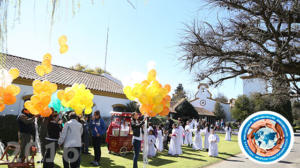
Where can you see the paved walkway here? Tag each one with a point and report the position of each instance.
(240, 161)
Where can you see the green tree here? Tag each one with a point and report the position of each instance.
(132, 106)
(219, 111)
(85, 68)
(221, 98)
(179, 93)
(242, 109)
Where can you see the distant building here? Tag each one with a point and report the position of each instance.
(108, 91)
(204, 104)
(204, 101)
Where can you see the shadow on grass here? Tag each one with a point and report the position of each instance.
(228, 154)
(285, 162)
(192, 158)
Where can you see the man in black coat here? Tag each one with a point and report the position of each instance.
(168, 126)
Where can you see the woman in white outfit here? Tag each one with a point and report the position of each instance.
(159, 139)
(188, 139)
(181, 133)
(173, 146)
(197, 144)
(228, 132)
(213, 144)
(206, 135)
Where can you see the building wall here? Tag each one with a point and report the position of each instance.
(254, 85)
(204, 100)
(103, 103)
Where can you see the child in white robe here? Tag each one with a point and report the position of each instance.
(173, 146)
(197, 144)
(151, 144)
(213, 144)
(206, 135)
(181, 133)
(188, 138)
(159, 139)
(177, 143)
(228, 132)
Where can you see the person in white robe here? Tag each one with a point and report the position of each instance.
(206, 135)
(213, 144)
(151, 144)
(188, 138)
(181, 133)
(173, 146)
(197, 143)
(159, 139)
(150, 127)
(228, 132)
(177, 143)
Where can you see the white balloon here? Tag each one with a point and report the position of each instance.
(5, 78)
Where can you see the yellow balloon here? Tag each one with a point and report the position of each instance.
(158, 108)
(151, 75)
(47, 56)
(64, 49)
(48, 69)
(88, 111)
(40, 70)
(14, 72)
(15, 89)
(62, 40)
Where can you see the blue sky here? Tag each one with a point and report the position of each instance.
(149, 33)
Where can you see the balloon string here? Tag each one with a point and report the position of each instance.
(145, 150)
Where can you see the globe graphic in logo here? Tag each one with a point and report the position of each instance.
(265, 138)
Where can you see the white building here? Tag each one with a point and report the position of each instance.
(204, 102)
(108, 91)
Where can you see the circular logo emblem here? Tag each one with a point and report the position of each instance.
(266, 137)
(202, 102)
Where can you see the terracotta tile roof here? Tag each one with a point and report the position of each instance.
(63, 75)
(204, 112)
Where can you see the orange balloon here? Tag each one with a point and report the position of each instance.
(46, 62)
(167, 87)
(2, 107)
(13, 89)
(168, 98)
(165, 111)
(152, 114)
(60, 94)
(14, 72)
(69, 95)
(9, 98)
(46, 112)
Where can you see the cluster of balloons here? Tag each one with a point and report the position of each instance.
(45, 67)
(8, 91)
(78, 98)
(153, 97)
(38, 104)
(62, 41)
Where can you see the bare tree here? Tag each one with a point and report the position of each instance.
(260, 39)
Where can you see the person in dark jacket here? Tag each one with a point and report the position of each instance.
(26, 131)
(98, 129)
(86, 135)
(53, 130)
(136, 126)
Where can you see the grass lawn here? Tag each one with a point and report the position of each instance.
(189, 159)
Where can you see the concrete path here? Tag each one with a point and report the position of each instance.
(240, 161)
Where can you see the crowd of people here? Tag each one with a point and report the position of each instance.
(172, 136)
(72, 133)
(69, 132)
